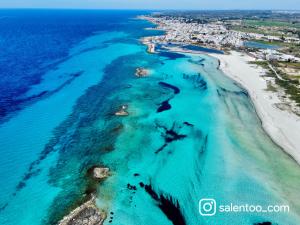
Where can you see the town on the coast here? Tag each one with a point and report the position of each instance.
(272, 38)
(260, 50)
(226, 33)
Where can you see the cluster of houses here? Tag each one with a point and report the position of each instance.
(213, 34)
(271, 54)
(217, 35)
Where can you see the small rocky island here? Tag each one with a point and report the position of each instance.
(88, 213)
(122, 111)
(141, 72)
(100, 172)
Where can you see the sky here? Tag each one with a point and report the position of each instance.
(154, 4)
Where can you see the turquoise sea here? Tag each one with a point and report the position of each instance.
(191, 133)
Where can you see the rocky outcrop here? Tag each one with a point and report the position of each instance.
(122, 111)
(141, 72)
(100, 172)
(86, 214)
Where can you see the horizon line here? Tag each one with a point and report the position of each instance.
(142, 9)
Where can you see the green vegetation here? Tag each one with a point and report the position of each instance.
(270, 23)
(290, 89)
(247, 29)
(292, 50)
(263, 64)
(254, 30)
(270, 87)
(290, 86)
(294, 65)
(278, 43)
(269, 27)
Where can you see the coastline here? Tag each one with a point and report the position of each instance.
(282, 126)
(87, 213)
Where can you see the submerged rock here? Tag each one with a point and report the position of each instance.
(173, 87)
(264, 223)
(164, 106)
(86, 214)
(141, 72)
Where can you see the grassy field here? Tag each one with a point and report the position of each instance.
(295, 65)
(270, 23)
(267, 27)
(278, 43)
(254, 30)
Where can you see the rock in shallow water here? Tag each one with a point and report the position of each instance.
(86, 214)
(141, 72)
(122, 111)
(100, 172)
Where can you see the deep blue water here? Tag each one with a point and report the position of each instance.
(48, 61)
(35, 41)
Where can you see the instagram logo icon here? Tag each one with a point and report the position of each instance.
(207, 207)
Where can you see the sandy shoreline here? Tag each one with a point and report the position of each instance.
(282, 126)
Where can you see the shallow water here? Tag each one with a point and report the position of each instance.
(192, 133)
(254, 44)
(210, 144)
(202, 49)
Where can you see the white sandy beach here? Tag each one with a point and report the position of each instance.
(282, 126)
